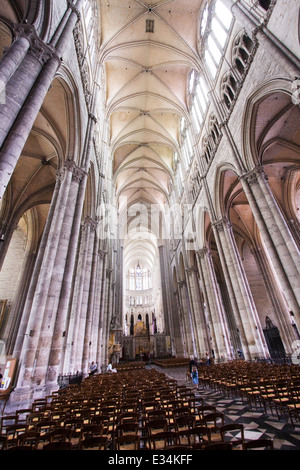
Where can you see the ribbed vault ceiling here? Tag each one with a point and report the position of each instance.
(146, 78)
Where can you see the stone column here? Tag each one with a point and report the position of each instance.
(88, 348)
(118, 298)
(25, 97)
(280, 311)
(179, 333)
(170, 304)
(276, 236)
(14, 56)
(42, 316)
(8, 230)
(198, 320)
(58, 346)
(24, 61)
(187, 320)
(35, 275)
(99, 256)
(87, 299)
(217, 336)
(100, 339)
(107, 313)
(77, 321)
(246, 316)
(167, 306)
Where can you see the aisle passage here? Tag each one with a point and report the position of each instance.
(258, 424)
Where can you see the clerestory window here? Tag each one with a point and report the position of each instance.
(217, 31)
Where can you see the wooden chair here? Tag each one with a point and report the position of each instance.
(155, 414)
(198, 435)
(19, 447)
(30, 439)
(218, 446)
(157, 425)
(128, 417)
(13, 432)
(184, 422)
(282, 399)
(101, 420)
(255, 444)
(58, 446)
(178, 448)
(2, 441)
(91, 430)
(129, 407)
(198, 446)
(150, 406)
(127, 428)
(33, 419)
(161, 440)
(128, 442)
(94, 443)
(75, 425)
(39, 404)
(60, 435)
(6, 421)
(205, 410)
(294, 412)
(214, 422)
(233, 433)
(21, 415)
(44, 427)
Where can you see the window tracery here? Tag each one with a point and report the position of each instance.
(139, 279)
(243, 50)
(211, 140)
(215, 28)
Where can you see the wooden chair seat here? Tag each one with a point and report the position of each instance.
(259, 444)
(161, 440)
(128, 442)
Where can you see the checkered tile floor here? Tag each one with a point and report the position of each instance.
(257, 423)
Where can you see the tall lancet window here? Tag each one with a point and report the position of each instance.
(138, 278)
(132, 279)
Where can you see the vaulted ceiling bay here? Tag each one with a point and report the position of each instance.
(148, 51)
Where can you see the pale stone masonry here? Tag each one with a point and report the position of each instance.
(127, 153)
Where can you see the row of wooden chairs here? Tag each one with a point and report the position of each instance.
(130, 411)
(65, 415)
(274, 388)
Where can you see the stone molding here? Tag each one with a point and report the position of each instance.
(38, 48)
(251, 177)
(77, 172)
(74, 9)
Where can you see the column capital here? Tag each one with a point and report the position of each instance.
(251, 177)
(203, 252)
(220, 224)
(90, 222)
(38, 48)
(69, 165)
(191, 270)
